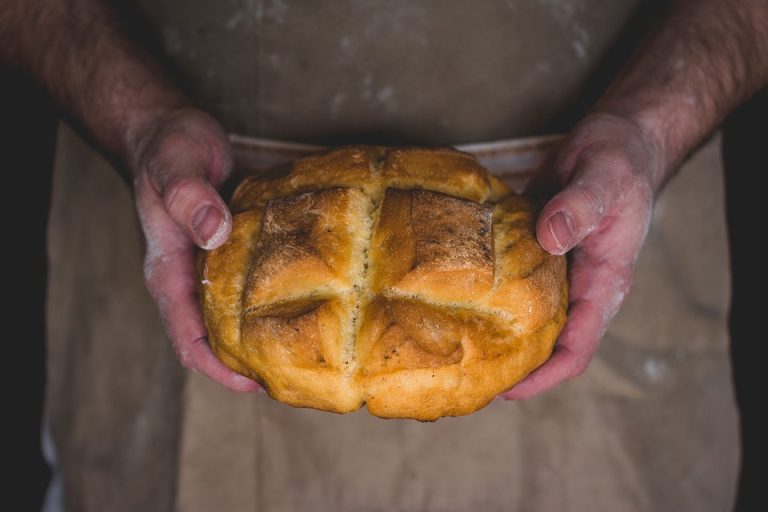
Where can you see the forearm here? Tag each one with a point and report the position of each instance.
(76, 49)
(704, 59)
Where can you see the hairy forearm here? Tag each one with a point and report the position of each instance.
(77, 50)
(703, 60)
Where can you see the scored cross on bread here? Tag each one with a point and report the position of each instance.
(409, 280)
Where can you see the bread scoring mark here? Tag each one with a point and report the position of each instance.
(288, 309)
(475, 307)
(292, 336)
(365, 213)
(401, 351)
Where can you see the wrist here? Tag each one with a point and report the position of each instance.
(679, 85)
(668, 128)
(127, 112)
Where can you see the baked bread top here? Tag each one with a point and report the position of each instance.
(406, 279)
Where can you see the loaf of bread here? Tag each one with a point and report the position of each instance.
(409, 280)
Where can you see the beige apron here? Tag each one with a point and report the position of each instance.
(650, 426)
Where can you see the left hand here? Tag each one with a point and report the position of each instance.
(605, 175)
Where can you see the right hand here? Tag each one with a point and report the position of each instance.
(177, 164)
(605, 175)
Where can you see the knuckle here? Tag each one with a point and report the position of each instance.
(613, 160)
(586, 204)
(185, 359)
(632, 179)
(176, 190)
(644, 192)
(150, 282)
(620, 166)
(625, 283)
(186, 194)
(159, 155)
(186, 351)
(152, 276)
(590, 196)
(579, 367)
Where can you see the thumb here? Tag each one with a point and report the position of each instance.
(576, 211)
(182, 156)
(198, 209)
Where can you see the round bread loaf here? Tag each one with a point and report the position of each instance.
(406, 279)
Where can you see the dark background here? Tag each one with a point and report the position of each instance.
(27, 137)
(27, 129)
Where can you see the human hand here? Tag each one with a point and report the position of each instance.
(606, 172)
(177, 164)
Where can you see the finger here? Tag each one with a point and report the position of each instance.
(185, 324)
(598, 183)
(199, 210)
(572, 354)
(184, 162)
(170, 276)
(597, 292)
(186, 329)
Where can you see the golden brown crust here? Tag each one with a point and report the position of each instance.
(305, 246)
(407, 279)
(430, 242)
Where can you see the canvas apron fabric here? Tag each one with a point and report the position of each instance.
(651, 425)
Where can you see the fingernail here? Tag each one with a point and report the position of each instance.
(561, 228)
(206, 223)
